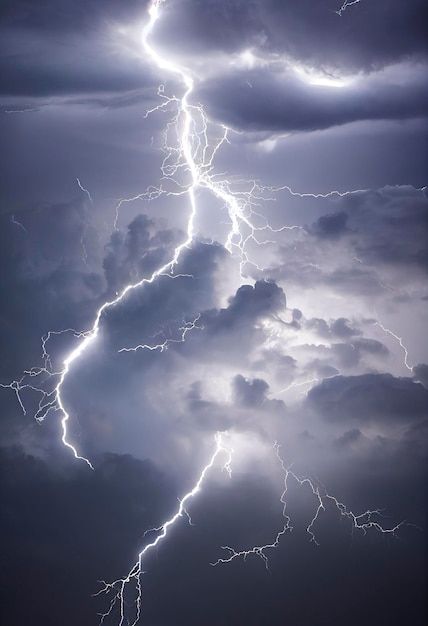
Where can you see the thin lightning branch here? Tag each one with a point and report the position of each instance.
(15, 221)
(345, 5)
(190, 153)
(368, 520)
(329, 194)
(161, 347)
(190, 145)
(310, 381)
(83, 237)
(192, 157)
(82, 188)
(119, 588)
(11, 111)
(296, 384)
(400, 342)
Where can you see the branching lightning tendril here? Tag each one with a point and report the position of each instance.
(364, 521)
(400, 343)
(119, 587)
(345, 5)
(187, 167)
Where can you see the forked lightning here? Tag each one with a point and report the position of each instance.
(191, 143)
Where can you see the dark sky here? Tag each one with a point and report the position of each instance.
(314, 339)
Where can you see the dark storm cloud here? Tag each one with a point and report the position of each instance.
(249, 392)
(46, 68)
(71, 527)
(384, 242)
(92, 57)
(370, 35)
(52, 275)
(349, 354)
(370, 397)
(43, 277)
(53, 16)
(251, 410)
(206, 414)
(260, 100)
(350, 437)
(335, 328)
(246, 306)
(372, 346)
(387, 226)
(69, 48)
(137, 253)
(158, 310)
(331, 225)
(420, 373)
(64, 527)
(252, 394)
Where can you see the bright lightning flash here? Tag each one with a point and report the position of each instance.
(193, 156)
(119, 587)
(345, 5)
(399, 340)
(188, 167)
(364, 521)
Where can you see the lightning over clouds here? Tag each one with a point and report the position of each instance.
(231, 302)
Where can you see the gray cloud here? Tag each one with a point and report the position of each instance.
(246, 306)
(261, 100)
(370, 397)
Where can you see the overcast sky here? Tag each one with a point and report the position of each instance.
(315, 339)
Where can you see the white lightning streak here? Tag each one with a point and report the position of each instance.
(82, 188)
(364, 521)
(400, 342)
(345, 5)
(83, 236)
(54, 400)
(15, 221)
(188, 326)
(193, 156)
(119, 587)
(11, 111)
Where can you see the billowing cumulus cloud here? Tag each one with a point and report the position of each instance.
(283, 101)
(370, 397)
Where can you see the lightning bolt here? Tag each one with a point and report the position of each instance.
(119, 587)
(193, 156)
(187, 167)
(309, 382)
(400, 343)
(363, 522)
(28, 110)
(82, 188)
(85, 225)
(345, 5)
(13, 220)
(161, 347)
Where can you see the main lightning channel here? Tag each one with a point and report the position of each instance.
(119, 586)
(194, 156)
(55, 398)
